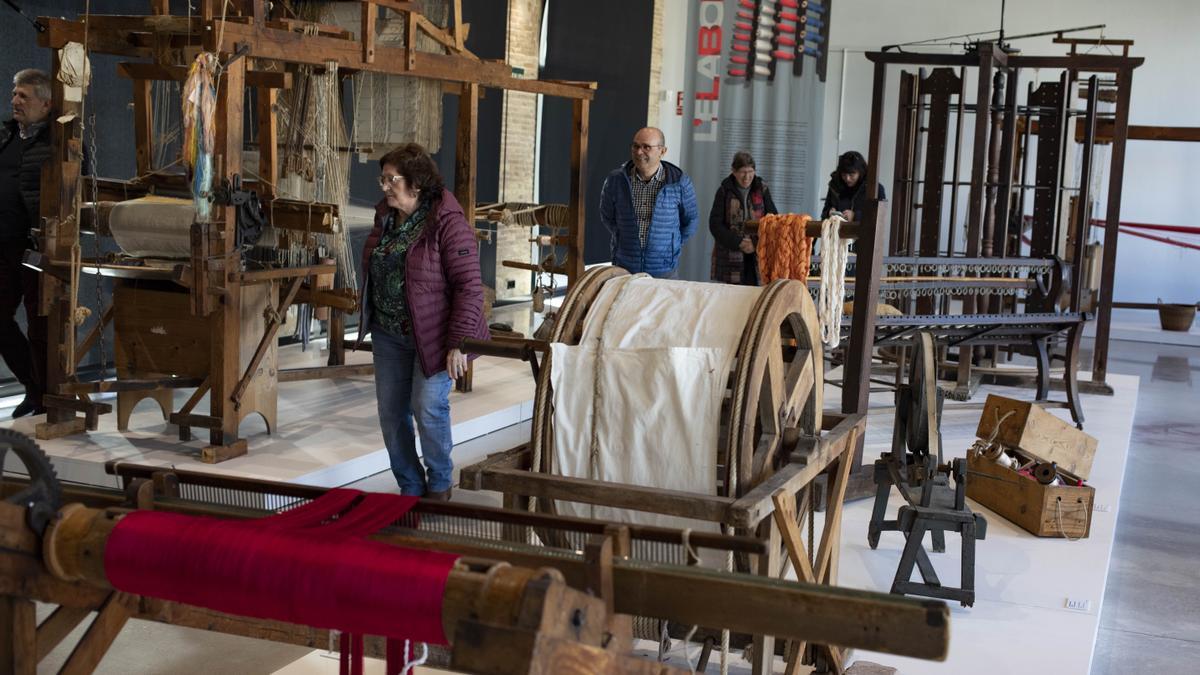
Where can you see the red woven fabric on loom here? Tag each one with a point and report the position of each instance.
(303, 566)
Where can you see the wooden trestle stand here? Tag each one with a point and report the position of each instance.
(207, 323)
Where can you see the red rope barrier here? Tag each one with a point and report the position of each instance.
(1165, 240)
(1181, 229)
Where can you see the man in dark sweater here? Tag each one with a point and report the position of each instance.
(24, 148)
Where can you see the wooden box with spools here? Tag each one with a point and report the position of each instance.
(1049, 498)
(771, 437)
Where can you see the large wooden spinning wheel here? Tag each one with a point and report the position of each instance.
(773, 402)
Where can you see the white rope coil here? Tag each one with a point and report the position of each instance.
(834, 253)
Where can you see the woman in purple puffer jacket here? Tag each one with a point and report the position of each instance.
(421, 296)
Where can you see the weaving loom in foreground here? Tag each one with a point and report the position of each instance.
(557, 608)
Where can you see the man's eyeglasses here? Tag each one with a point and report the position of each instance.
(639, 146)
(390, 181)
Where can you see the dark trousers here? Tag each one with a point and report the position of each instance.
(26, 358)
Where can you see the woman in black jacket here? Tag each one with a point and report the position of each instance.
(742, 196)
(848, 188)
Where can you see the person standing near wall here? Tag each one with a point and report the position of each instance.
(742, 196)
(649, 208)
(24, 148)
(847, 193)
(421, 296)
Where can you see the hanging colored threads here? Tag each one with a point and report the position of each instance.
(784, 250)
(312, 566)
(199, 133)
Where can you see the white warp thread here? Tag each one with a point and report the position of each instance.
(834, 253)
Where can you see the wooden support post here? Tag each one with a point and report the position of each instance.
(267, 340)
(225, 348)
(1078, 235)
(18, 636)
(577, 209)
(763, 660)
(59, 187)
(466, 155)
(410, 42)
(1112, 221)
(56, 627)
(370, 11)
(856, 382)
(458, 26)
(143, 125)
(337, 338)
(100, 635)
(903, 176)
(466, 152)
(268, 170)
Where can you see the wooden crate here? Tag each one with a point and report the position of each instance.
(1038, 434)
(1042, 510)
(1034, 434)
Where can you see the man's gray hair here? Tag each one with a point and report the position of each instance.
(36, 79)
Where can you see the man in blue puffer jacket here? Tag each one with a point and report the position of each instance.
(649, 208)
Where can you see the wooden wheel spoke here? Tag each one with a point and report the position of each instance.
(774, 393)
(799, 382)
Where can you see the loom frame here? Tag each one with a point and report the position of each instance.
(213, 279)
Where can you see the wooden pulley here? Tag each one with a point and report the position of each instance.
(774, 398)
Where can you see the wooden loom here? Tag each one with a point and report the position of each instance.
(210, 324)
(1001, 155)
(628, 569)
(776, 440)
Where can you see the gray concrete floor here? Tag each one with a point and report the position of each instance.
(1150, 619)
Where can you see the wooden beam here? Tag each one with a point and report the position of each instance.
(156, 71)
(225, 344)
(143, 125)
(577, 207)
(56, 627)
(268, 162)
(75, 388)
(18, 636)
(466, 150)
(261, 276)
(1112, 217)
(615, 495)
(370, 12)
(325, 372)
(268, 339)
(315, 50)
(100, 635)
(94, 334)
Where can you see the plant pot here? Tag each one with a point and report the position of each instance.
(1176, 317)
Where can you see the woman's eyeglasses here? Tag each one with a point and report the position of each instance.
(390, 181)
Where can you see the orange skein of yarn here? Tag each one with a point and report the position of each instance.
(784, 250)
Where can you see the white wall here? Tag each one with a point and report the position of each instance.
(674, 47)
(1159, 177)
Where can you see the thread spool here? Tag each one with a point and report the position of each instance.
(1045, 472)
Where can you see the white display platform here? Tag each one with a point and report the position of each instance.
(328, 430)
(1020, 622)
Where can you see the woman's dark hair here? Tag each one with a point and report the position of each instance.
(852, 161)
(742, 159)
(419, 171)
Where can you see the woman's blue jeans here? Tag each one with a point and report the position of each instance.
(404, 394)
